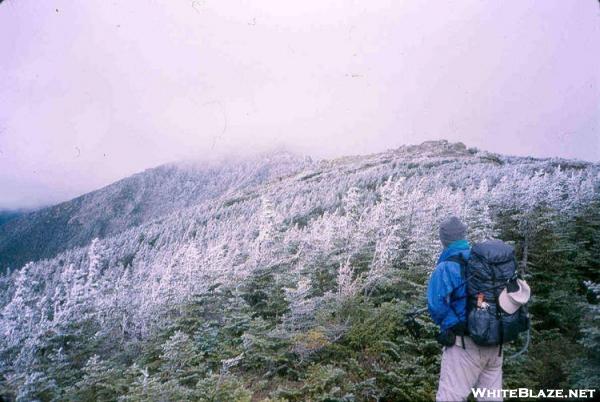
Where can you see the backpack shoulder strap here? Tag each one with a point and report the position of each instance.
(460, 260)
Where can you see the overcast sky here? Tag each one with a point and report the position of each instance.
(92, 91)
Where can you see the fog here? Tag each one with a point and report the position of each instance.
(93, 91)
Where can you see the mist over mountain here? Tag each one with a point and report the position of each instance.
(281, 278)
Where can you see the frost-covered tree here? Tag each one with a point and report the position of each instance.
(478, 213)
(301, 308)
(348, 284)
(353, 204)
(94, 267)
(179, 357)
(267, 233)
(424, 243)
(19, 315)
(100, 382)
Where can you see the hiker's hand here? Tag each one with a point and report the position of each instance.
(446, 338)
(459, 329)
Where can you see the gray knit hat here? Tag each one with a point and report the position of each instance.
(452, 229)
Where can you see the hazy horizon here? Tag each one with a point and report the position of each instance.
(234, 156)
(93, 92)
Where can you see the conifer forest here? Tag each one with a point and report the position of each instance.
(280, 278)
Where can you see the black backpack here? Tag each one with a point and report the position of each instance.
(490, 269)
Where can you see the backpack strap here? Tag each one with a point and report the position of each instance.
(498, 311)
(460, 260)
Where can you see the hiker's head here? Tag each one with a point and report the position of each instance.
(451, 230)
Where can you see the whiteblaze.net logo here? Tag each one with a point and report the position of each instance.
(530, 393)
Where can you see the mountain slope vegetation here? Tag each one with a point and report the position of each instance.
(131, 202)
(294, 287)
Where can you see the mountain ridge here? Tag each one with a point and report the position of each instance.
(160, 191)
(132, 201)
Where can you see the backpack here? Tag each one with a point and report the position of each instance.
(489, 270)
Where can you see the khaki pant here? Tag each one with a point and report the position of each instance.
(472, 367)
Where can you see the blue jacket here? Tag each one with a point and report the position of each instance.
(446, 286)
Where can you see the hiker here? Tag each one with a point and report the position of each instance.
(479, 302)
(465, 365)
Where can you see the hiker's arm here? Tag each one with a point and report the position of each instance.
(440, 287)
